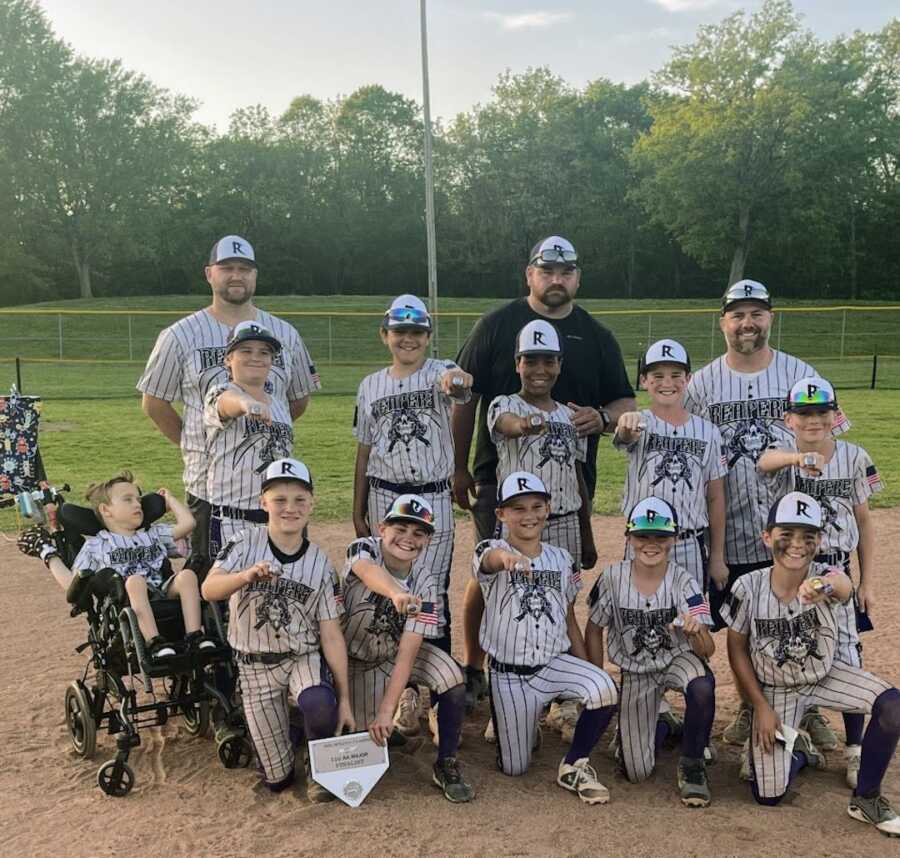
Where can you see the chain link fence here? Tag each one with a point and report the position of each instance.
(75, 354)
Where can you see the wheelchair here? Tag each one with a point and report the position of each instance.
(199, 684)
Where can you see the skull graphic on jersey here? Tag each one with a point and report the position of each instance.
(406, 427)
(533, 603)
(675, 467)
(557, 444)
(750, 440)
(386, 626)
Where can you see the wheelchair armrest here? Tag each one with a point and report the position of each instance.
(87, 585)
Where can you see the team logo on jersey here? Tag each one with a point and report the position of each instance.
(275, 441)
(406, 427)
(826, 492)
(273, 610)
(674, 467)
(649, 630)
(796, 639)
(386, 626)
(557, 444)
(534, 603)
(749, 440)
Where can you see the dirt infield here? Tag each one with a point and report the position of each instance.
(185, 803)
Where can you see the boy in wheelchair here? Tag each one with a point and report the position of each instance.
(137, 554)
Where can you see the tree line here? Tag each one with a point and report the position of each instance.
(757, 150)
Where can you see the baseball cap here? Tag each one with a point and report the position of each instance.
(553, 250)
(666, 351)
(746, 290)
(411, 508)
(812, 392)
(538, 338)
(250, 330)
(232, 247)
(407, 311)
(520, 483)
(652, 515)
(795, 509)
(287, 469)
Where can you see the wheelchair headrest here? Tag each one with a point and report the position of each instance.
(83, 520)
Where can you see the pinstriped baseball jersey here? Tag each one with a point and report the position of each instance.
(239, 450)
(639, 638)
(748, 409)
(524, 620)
(790, 645)
(406, 422)
(550, 455)
(372, 626)
(141, 554)
(283, 613)
(847, 480)
(675, 463)
(188, 359)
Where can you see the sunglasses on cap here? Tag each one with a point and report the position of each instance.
(657, 524)
(555, 256)
(407, 316)
(817, 399)
(411, 511)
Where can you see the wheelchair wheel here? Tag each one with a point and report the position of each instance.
(234, 752)
(115, 778)
(80, 720)
(196, 718)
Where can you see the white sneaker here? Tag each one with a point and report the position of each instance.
(853, 754)
(581, 779)
(406, 718)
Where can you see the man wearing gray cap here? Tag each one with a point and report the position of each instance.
(743, 392)
(188, 360)
(592, 382)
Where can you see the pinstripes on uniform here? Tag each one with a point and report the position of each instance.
(748, 410)
(406, 422)
(517, 703)
(188, 359)
(524, 619)
(281, 615)
(551, 456)
(373, 628)
(524, 624)
(653, 656)
(141, 554)
(849, 478)
(239, 449)
(792, 650)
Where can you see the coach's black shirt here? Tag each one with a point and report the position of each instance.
(593, 372)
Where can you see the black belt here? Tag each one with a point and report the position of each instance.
(409, 488)
(518, 669)
(687, 534)
(554, 516)
(263, 657)
(257, 516)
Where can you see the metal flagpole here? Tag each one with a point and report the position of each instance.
(429, 186)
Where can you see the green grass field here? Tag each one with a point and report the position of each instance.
(92, 424)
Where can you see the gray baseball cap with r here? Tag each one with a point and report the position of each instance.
(232, 247)
(746, 290)
(796, 509)
(282, 470)
(553, 250)
(520, 483)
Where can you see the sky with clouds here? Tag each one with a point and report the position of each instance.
(232, 53)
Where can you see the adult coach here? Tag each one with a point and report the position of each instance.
(592, 381)
(744, 392)
(188, 359)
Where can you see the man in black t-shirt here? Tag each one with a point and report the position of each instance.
(593, 382)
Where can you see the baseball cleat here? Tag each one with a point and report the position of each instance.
(580, 778)
(693, 783)
(803, 744)
(738, 731)
(406, 718)
(710, 754)
(476, 687)
(448, 778)
(815, 723)
(876, 811)
(853, 753)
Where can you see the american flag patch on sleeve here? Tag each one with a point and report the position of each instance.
(873, 478)
(698, 606)
(428, 614)
(576, 574)
(841, 423)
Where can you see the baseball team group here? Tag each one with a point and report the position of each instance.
(742, 510)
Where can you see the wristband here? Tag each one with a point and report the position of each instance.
(605, 418)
